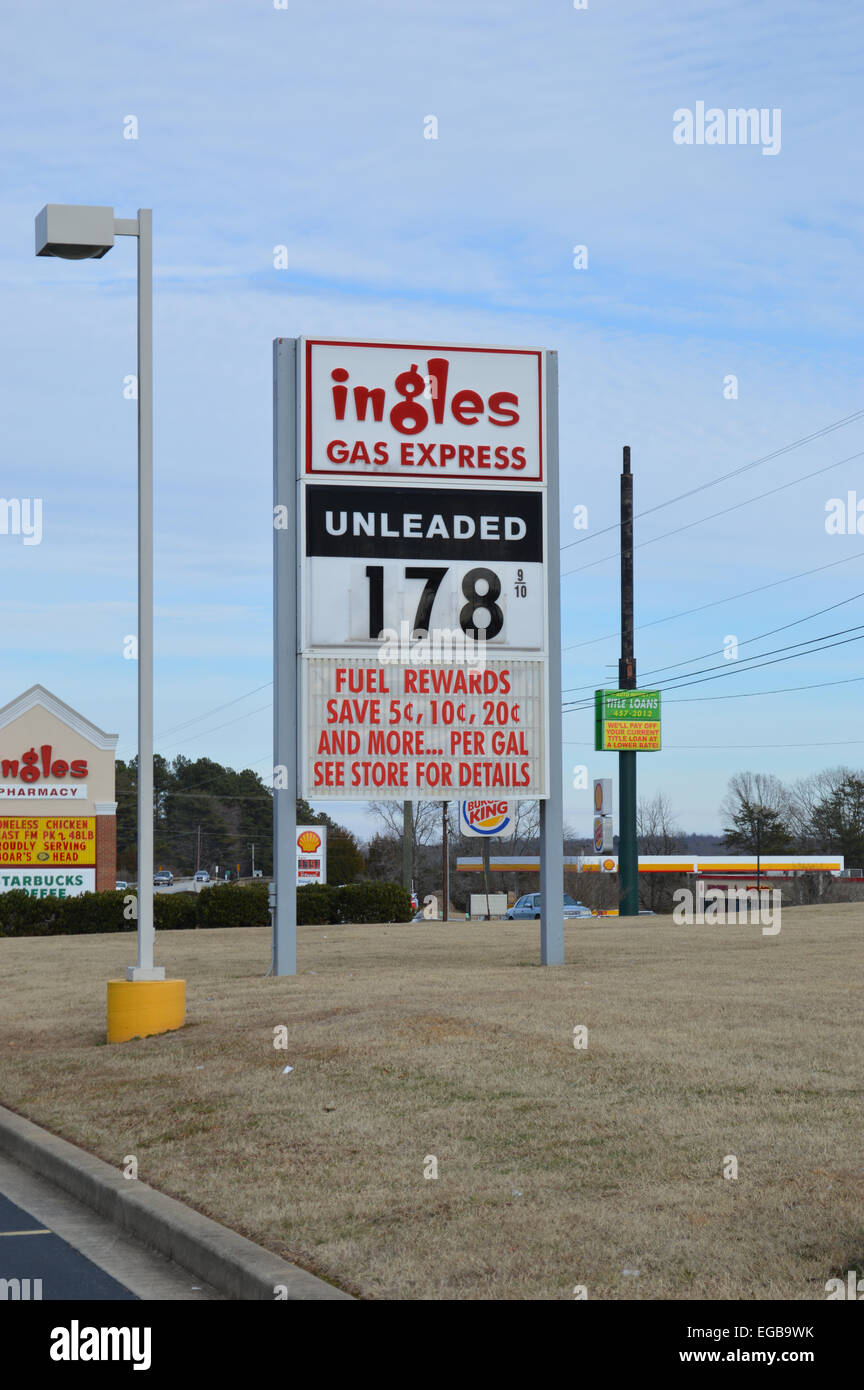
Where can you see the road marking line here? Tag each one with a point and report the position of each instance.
(42, 1231)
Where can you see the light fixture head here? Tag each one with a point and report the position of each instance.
(74, 233)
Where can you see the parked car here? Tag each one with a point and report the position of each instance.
(121, 885)
(201, 876)
(163, 877)
(528, 908)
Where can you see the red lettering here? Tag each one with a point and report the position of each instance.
(362, 397)
(337, 451)
(467, 407)
(498, 402)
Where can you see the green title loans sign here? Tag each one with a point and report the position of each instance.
(627, 721)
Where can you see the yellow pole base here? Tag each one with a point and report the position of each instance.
(140, 1008)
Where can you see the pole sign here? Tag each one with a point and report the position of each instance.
(603, 829)
(311, 854)
(627, 721)
(416, 613)
(422, 546)
(487, 819)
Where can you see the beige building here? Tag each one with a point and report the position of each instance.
(57, 808)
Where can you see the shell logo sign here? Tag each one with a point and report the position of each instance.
(311, 854)
(487, 818)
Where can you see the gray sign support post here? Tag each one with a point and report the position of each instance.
(285, 659)
(552, 809)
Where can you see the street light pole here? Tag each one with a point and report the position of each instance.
(145, 969)
(77, 233)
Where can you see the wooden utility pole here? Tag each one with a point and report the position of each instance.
(407, 845)
(628, 847)
(446, 863)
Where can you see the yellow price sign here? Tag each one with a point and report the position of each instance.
(43, 840)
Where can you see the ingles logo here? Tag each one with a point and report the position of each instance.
(371, 409)
(486, 818)
(32, 766)
(408, 415)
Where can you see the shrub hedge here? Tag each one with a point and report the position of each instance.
(225, 905)
(319, 904)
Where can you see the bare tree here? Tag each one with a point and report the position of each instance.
(655, 825)
(657, 834)
(758, 810)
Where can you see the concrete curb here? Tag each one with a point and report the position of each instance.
(233, 1265)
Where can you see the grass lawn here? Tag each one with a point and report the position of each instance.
(556, 1166)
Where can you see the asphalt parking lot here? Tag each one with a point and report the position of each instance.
(54, 1249)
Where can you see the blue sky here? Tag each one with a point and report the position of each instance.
(303, 127)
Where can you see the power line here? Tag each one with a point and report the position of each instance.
(687, 661)
(729, 598)
(217, 727)
(724, 477)
(731, 672)
(724, 511)
(751, 694)
(737, 667)
(742, 695)
(198, 717)
(758, 638)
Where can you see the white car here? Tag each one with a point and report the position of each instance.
(528, 908)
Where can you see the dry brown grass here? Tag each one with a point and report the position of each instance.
(556, 1167)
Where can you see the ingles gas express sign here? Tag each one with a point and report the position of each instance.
(627, 721)
(431, 413)
(422, 542)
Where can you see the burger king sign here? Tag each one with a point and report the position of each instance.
(487, 819)
(311, 854)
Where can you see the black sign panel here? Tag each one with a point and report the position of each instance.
(410, 524)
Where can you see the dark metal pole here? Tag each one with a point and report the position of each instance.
(628, 850)
(407, 846)
(485, 849)
(759, 850)
(446, 849)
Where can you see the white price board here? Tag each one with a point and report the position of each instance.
(409, 731)
(467, 562)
